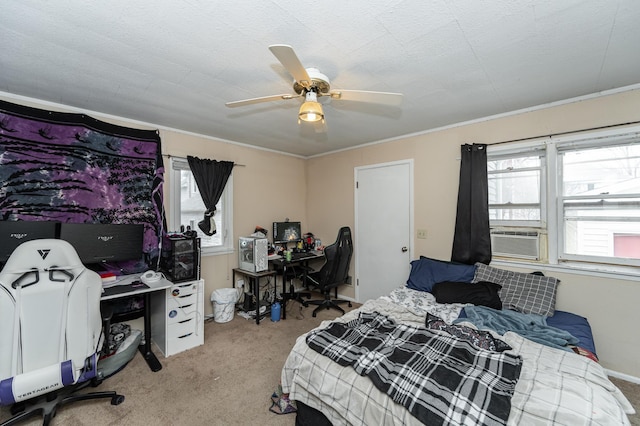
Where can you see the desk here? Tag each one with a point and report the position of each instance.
(256, 284)
(281, 263)
(127, 280)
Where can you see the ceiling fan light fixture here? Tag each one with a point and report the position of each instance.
(311, 110)
(311, 83)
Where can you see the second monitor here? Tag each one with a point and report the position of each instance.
(286, 232)
(101, 243)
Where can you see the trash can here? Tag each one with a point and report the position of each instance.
(223, 301)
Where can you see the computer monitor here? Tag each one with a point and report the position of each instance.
(101, 243)
(15, 232)
(286, 232)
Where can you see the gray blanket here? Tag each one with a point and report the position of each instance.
(531, 326)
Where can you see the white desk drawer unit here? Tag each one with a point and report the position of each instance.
(177, 317)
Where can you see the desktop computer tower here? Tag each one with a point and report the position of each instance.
(180, 258)
(253, 254)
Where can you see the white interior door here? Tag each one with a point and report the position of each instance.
(384, 227)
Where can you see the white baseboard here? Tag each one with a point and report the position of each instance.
(623, 376)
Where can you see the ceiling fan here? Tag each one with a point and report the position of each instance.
(310, 84)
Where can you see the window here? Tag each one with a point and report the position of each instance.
(187, 208)
(600, 201)
(581, 191)
(515, 185)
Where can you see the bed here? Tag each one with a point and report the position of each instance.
(350, 371)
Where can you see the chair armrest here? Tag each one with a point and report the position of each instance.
(37, 382)
(106, 311)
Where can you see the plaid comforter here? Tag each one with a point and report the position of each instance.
(438, 378)
(554, 388)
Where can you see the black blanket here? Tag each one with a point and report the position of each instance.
(438, 378)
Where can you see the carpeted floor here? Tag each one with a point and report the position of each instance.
(227, 381)
(632, 392)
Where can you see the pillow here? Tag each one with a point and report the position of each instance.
(575, 324)
(526, 293)
(481, 339)
(483, 293)
(425, 272)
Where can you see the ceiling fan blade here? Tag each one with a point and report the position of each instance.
(287, 57)
(244, 102)
(386, 98)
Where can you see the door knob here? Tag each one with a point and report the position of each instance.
(404, 249)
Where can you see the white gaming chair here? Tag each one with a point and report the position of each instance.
(51, 331)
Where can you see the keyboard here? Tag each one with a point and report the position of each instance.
(297, 256)
(305, 255)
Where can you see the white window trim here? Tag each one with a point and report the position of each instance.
(537, 224)
(553, 216)
(179, 163)
(579, 268)
(597, 139)
(553, 213)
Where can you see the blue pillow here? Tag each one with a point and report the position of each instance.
(577, 325)
(426, 272)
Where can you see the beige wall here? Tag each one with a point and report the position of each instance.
(267, 187)
(319, 192)
(609, 304)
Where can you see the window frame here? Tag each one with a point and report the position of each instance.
(573, 143)
(524, 151)
(178, 164)
(552, 197)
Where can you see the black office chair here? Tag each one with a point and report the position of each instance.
(334, 272)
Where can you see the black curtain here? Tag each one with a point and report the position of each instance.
(211, 177)
(471, 241)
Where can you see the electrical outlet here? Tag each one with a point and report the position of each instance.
(240, 283)
(422, 234)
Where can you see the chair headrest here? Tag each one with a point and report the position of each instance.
(42, 254)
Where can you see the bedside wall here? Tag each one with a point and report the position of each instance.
(607, 303)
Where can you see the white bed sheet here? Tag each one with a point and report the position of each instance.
(555, 386)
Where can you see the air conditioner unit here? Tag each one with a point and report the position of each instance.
(521, 245)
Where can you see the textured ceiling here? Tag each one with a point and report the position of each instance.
(174, 63)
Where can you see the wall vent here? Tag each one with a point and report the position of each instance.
(521, 245)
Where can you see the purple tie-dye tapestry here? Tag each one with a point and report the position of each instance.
(73, 168)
